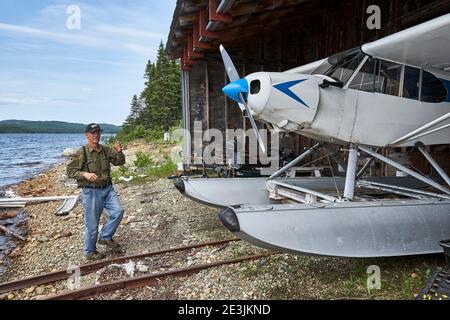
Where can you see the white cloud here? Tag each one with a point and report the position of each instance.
(16, 99)
(54, 36)
(90, 41)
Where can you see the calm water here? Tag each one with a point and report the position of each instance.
(25, 155)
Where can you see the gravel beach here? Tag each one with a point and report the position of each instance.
(157, 216)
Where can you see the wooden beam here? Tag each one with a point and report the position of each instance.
(214, 16)
(191, 53)
(196, 37)
(186, 20)
(202, 26)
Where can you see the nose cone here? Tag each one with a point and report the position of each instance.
(233, 89)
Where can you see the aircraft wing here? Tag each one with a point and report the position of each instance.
(426, 45)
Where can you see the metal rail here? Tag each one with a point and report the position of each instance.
(146, 280)
(92, 267)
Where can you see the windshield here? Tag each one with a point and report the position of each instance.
(341, 65)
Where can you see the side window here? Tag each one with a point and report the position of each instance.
(433, 90)
(388, 79)
(365, 79)
(411, 83)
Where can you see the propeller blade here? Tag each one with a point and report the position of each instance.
(232, 73)
(253, 123)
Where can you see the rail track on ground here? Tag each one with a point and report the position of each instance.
(126, 283)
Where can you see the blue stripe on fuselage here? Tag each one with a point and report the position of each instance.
(285, 88)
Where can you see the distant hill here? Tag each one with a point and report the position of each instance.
(24, 126)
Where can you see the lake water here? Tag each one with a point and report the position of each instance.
(25, 155)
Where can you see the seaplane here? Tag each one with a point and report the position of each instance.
(392, 92)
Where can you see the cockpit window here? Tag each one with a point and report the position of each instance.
(342, 65)
(433, 90)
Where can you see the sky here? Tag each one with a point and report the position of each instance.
(77, 61)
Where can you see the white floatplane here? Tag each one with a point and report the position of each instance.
(393, 92)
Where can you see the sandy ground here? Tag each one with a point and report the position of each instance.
(157, 216)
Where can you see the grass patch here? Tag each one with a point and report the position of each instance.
(143, 160)
(162, 170)
(150, 171)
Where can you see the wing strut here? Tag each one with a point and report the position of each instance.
(416, 133)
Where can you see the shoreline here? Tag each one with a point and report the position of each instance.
(8, 187)
(17, 218)
(158, 217)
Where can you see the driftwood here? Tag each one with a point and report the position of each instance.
(6, 230)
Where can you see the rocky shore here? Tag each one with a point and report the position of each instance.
(157, 216)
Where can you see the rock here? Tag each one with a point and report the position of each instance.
(42, 239)
(16, 253)
(10, 296)
(37, 233)
(67, 234)
(40, 291)
(29, 290)
(8, 214)
(4, 296)
(71, 215)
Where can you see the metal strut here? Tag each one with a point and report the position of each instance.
(430, 159)
(294, 162)
(405, 170)
(350, 177)
(366, 165)
(415, 134)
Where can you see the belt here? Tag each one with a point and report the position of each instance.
(98, 187)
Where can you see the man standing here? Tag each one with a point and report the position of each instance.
(90, 166)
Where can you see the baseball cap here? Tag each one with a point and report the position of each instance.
(93, 127)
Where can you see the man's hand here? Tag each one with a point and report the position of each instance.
(92, 177)
(118, 146)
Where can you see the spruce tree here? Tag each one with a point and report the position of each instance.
(159, 104)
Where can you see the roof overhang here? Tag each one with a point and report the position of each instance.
(199, 26)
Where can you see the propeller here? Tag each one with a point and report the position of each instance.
(236, 89)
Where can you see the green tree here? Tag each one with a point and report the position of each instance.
(159, 104)
(135, 111)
